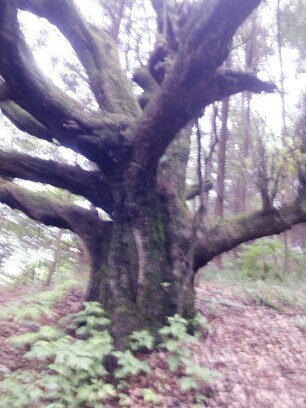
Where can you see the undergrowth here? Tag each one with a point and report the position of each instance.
(258, 277)
(71, 358)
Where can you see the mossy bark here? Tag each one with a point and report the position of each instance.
(136, 281)
(142, 262)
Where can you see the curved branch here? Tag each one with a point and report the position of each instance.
(89, 184)
(194, 190)
(29, 87)
(231, 82)
(52, 212)
(192, 80)
(24, 121)
(245, 227)
(4, 90)
(103, 143)
(96, 50)
(42, 109)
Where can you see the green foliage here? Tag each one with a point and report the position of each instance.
(129, 364)
(200, 321)
(33, 307)
(300, 322)
(272, 291)
(150, 396)
(45, 332)
(175, 336)
(20, 389)
(188, 383)
(263, 259)
(33, 246)
(73, 370)
(294, 15)
(88, 320)
(141, 339)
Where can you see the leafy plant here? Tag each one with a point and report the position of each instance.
(151, 396)
(141, 339)
(33, 307)
(73, 373)
(263, 259)
(76, 373)
(175, 336)
(129, 364)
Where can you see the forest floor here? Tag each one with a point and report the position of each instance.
(259, 349)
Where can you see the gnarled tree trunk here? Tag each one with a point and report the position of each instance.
(143, 261)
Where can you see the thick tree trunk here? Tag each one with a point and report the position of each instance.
(134, 274)
(141, 263)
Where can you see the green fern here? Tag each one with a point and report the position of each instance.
(75, 374)
(129, 364)
(175, 336)
(141, 339)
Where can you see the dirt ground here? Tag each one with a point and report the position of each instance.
(261, 353)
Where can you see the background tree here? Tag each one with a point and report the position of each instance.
(138, 149)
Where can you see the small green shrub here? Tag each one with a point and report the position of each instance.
(76, 373)
(263, 259)
(175, 336)
(141, 339)
(34, 306)
(73, 371)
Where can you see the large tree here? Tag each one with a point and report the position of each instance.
(144, 260)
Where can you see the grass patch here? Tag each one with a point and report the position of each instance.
(289, 292)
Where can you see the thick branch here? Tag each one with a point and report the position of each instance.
(103, 143)
(192, 80)
(24, 121)
(165, 26)
(89, 184)
(42, 109)
(231, 82)
(245, 227)
(29, 87)
(194, 190)
(52, 212)
(95, 49)
(4, 90)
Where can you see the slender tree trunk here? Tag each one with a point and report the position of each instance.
(56, 252)
(286, 234)
(219, 206)
(246, 147)
(208, 159)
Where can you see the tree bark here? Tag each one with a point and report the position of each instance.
(220, 187)
(55, 255)
(143, 261)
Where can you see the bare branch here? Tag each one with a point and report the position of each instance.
(29, 87)
(25, 121)
(193, 78)
(95, 49)
(89, 184)
(51, 212)
(245, 227)
(4, 90)
(101, 140)
(231, 82)
(194, 190)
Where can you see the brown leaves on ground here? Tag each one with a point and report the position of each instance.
(261, 353)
